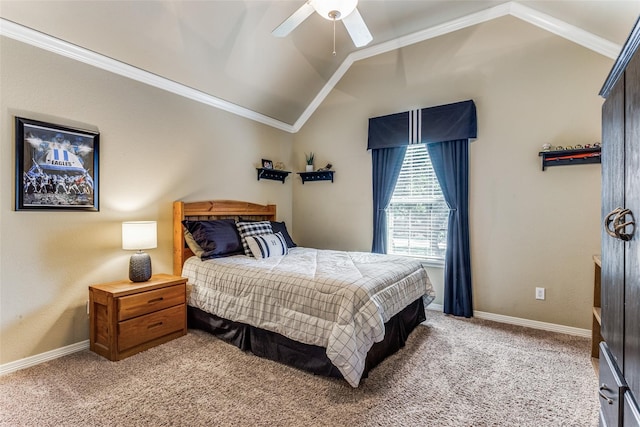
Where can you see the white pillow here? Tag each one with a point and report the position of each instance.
(267, 245)
(253, 228)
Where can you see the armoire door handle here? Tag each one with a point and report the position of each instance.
(620, 225)
(604, 396)
(615, 224)
(609, 219)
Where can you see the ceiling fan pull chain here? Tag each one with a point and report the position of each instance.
(334, 36)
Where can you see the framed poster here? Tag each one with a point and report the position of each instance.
(56, 167)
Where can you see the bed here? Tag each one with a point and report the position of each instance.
(332, 313)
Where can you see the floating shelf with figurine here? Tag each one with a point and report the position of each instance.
(323, 174)
(316, 176)
(274, 174)
(560, 156)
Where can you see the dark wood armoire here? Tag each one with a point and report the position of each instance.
(619, 366)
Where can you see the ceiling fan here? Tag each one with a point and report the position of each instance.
(333, 10)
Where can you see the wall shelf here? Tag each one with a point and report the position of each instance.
(316, 176)
(274, 174)
(580, 156)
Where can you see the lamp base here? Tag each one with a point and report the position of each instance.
(140, 267)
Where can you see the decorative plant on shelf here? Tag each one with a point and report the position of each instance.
(309, 158)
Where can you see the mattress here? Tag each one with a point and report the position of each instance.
(333, 299)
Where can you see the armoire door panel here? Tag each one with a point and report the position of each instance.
(631, 416)
(611, 389)
(632, 201)
(613, 176)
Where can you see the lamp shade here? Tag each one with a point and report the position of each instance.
(137, 235)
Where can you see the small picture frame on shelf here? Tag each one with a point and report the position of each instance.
(267, 164)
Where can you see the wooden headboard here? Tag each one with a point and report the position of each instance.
(209, 210)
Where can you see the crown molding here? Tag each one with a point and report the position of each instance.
(417, 37)
(52, 44)
(629, 48)
(560, 28)
(570, 32)
(531, 16)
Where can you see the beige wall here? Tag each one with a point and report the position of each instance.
(528, 228)
(155, 148)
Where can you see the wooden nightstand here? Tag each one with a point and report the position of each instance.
(128, 317)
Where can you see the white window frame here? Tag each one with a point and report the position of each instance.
(417, 190)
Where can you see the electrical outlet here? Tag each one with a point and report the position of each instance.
(540, 293)
(87, 307)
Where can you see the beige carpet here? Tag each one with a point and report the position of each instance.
(453, 372)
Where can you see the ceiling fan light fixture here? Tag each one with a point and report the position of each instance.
(334, 9)
(331, 10)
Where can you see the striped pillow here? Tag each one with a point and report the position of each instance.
(247, 229)
(268, 245)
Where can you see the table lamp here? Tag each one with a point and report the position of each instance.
(139, 235)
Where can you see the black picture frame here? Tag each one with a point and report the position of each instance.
(56, 167)
(267, 164)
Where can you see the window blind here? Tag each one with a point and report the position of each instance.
(417, 215)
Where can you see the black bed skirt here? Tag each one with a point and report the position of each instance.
(311, 358)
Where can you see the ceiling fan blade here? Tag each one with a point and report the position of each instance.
(357, 29)
(294, 20)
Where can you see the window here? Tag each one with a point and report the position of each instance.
(417, 215)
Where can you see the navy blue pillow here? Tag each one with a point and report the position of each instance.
(217, 238)
(280, 227)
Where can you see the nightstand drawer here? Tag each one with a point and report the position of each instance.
(129, 317)
(151, 326)
(150, 301)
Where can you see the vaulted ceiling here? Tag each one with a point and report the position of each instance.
(222, 53)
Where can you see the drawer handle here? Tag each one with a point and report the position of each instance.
(151, 301)
(608, 399)
(154, 325)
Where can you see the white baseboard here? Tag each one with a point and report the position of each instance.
(54, 354)
(552, 327)
(42, 357)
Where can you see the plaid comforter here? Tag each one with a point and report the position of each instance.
(334, 299)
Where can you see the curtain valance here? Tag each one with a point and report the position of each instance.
(435, 124)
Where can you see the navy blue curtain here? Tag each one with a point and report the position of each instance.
(446, 129)
(450, 161)
(386, 165)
